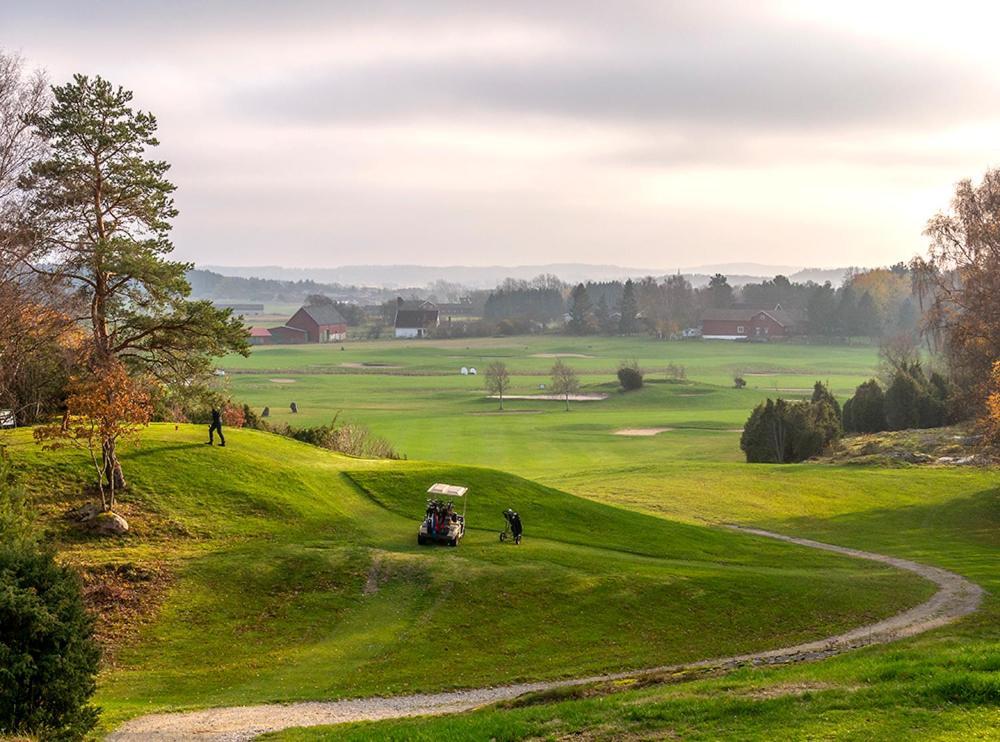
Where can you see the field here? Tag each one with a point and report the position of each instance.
(292, 573)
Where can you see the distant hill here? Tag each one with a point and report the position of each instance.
(485, 277)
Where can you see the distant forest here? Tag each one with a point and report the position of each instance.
(869, 303)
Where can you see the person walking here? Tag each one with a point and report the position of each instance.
(216, 426)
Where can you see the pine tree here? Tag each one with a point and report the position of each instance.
(99, 214)
(581, 311)
(629, 309)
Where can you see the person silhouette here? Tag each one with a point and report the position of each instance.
(216, 426)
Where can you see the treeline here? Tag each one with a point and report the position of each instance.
(870, 304)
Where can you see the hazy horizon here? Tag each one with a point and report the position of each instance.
(312, 134)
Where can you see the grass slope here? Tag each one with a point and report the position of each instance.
(295, 575)
(941, 685)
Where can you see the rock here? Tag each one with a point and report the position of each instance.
(108, 524)
(972, 460)
(93, 517)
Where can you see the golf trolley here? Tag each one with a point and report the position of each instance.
(512, 529)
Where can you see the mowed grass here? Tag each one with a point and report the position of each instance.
(941, 685)
(296, 575)
(413, 394)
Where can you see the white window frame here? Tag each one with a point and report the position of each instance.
(741, 330)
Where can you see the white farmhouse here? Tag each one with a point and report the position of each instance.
(415, 319)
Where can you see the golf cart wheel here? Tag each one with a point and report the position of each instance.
(421, 541)
(503, 537)
(453, 542)
(517, 539)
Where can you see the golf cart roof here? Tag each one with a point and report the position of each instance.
(448, 490)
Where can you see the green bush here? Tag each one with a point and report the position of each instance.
(630, 376)
(901, 400)
(865, 411)
(784, 432)
(48, 657)
(914, 401)
(822, 394)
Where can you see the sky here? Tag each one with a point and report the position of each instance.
(653, 134)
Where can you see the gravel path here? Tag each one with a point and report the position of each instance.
(956, 597)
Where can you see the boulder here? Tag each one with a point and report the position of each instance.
(108, 524)
(93, 517)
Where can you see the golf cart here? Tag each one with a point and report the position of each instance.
(441, 524)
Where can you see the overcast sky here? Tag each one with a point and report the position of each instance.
(653, 134)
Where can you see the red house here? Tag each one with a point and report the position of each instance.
(322, 324)
(743, 324)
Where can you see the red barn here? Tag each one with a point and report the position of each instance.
(288, 335)
(260, 336)
(322, 324)
(742, 324)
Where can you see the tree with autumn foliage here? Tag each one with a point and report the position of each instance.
(992, 418)
(97, 219)
(36, 337)
(959, 282)
(102, 410)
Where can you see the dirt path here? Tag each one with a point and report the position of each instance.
(956, 597)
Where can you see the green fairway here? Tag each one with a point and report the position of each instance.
(416, 397)
(297, 576)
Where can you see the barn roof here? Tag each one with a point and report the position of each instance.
(260, 332)
(324, 314)
(416, 305)
(415, 319)
(286, 328)
(782, 317)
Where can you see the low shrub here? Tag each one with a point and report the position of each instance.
(48, 656)
(349, 438)
(784, 432)
(630, 376)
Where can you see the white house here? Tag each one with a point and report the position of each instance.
(415, 319)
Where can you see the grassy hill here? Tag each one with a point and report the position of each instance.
(942, 685)
(271, 570)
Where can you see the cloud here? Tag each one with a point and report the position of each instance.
(738, 73)
(485, 132)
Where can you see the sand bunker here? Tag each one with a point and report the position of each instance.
(282, 381)
(641, 431)
(560, 355)
(555, 397)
